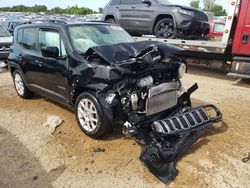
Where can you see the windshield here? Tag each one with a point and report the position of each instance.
(164, 2)
(85, 36)
(4, 32)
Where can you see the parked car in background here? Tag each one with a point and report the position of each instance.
(217, 28)
(157, 17)
(10, 25)
(5, 43)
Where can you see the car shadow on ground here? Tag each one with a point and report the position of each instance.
(243, 83)
(57, 104)
(20, 168)
(203, 70)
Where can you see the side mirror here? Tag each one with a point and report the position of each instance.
(148, 2)
(50, 51)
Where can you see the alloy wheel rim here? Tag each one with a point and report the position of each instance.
(166, 29)
(19, 84)
(87, 115)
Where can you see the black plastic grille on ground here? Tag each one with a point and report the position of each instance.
(186, 121)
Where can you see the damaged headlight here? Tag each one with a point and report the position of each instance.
(182, 70)
(145, 82)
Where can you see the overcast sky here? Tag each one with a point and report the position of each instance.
(93, 4)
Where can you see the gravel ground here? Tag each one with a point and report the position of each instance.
(31, 157)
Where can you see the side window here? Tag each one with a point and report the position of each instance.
(20, 36)
(219, 28)
(52, 38)
(125, 2)
(115, 2)
(29, 38)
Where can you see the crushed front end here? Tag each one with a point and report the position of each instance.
(144, 94)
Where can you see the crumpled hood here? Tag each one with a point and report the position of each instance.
(117, 53)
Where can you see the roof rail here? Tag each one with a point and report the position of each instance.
(45, 21)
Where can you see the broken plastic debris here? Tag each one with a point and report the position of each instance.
(52, 123)
(2, 64)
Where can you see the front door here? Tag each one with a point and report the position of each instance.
(53, 71)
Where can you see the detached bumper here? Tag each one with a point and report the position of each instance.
(173, 136)
(170, 133)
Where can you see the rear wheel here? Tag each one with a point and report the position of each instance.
(165, 29)
(20, 86)
(90, 117)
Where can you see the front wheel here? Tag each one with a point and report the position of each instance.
(90, 117)
(165, 29)
(20, 86)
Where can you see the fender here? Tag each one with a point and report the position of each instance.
(14, 65)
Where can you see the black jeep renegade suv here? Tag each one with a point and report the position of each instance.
(98, 70)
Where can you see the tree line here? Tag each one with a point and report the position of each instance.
(42, 8)
(210, 6)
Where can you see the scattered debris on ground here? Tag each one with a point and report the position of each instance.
(98, 150)
(52, 123)
(3, 64)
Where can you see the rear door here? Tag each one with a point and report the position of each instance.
(127, 14)
(27, 40)
(143, 15)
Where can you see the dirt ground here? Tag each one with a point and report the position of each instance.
(31, 157)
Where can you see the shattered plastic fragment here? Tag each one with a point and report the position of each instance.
(52, 123)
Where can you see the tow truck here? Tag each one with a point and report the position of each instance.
(231, 54)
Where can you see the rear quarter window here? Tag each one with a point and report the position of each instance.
(20, 36)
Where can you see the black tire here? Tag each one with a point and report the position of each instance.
(111, 20)
(165, 28)
(102, 127)
(25, 93)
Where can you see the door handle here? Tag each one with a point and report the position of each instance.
(245, 38)
(117, 7)
(133, 7)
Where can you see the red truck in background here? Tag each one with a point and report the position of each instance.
(241, 43)
(217, 28)
(232, 53)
